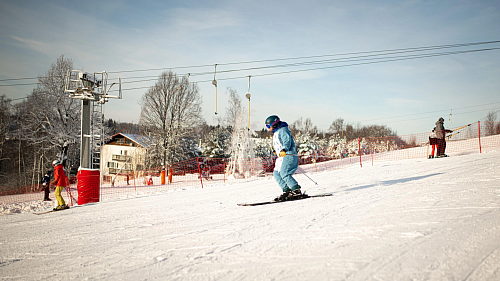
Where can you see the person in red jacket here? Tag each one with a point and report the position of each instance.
(60, 182)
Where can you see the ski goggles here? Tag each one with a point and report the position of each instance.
(273, 124)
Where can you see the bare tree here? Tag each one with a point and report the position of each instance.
(491, 119)
(337, 126)
(305, 127)
(5, 120)
(170, 112)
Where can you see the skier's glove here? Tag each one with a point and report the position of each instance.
(282, 153)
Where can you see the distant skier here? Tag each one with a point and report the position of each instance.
(46, 186)
(440, 135)
(288, 160)
(433, 142)
(60, 181)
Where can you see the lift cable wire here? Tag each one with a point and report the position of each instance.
(370, 59)
(387, 59)
(319, 56)
(375, 53)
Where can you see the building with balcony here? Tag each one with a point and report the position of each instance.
(124, 154)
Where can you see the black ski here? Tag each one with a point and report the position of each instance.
(295, 199)
(50, 211)
(46, 212)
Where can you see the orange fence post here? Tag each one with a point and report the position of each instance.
(315, 160)
(479, 130)
(371, 152)
(359, 151)
(199, 171)
(163, 172)
(170, 174)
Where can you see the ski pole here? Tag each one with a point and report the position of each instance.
(304, 172)
(457, 130)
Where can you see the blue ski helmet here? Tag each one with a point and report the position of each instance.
(272, 121)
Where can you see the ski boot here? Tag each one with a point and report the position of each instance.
(284, 196)
(61, 207)
(297, 194)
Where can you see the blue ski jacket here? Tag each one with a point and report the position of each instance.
(283, 140)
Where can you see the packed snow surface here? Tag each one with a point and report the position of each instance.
(417, 219)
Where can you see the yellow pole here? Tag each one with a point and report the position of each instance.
(248, 113)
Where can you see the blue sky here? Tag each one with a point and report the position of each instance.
(406, 95)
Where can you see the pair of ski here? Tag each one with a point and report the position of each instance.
(303, 196)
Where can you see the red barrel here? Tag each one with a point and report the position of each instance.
(88, 186)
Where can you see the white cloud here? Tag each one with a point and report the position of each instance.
(35, 45)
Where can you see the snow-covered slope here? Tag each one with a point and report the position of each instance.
(413, 219)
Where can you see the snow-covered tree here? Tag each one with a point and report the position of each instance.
(48, 118)
(263, 147)
(241, 144)
(216, 142)
(336, 146)
(187, 149)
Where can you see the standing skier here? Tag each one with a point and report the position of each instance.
(440, 135)
(60, 181)
(287, 161)
(433, 142)
(46, 184)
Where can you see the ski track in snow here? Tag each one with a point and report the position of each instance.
(405, 220)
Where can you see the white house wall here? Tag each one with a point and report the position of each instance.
(107, 152)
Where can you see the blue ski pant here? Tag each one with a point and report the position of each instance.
(284, 176)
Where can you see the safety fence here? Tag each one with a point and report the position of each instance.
(199, 172)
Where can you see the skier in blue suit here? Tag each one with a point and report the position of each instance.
(287, 161)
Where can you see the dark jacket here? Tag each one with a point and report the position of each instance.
(440, 130)
(46, 180)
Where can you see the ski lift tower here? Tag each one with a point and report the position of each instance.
(92, 89)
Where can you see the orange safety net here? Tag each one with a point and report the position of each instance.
(200, 171)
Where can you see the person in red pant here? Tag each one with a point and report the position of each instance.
(441, 132)
(433, 142)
